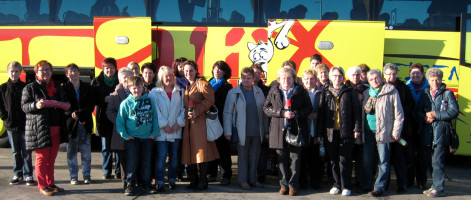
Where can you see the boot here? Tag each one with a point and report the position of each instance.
(203, 185)
(193, 175)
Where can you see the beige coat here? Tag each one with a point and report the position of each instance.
(232, 107)
(389, 114)
(195, 146)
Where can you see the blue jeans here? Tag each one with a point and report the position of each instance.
(384, 152)
(138, 154)
(22, 164)
(82, 143)
(438, 165)
(108, 157)
(162, 149)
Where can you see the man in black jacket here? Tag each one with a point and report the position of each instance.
(14, 121)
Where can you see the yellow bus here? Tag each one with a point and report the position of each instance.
(344, 32)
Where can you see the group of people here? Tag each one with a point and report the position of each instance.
(145, 117)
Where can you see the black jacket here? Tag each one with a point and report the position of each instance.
(265, 89)
(301, 106)
(408, 105)
(13, 117)
(349, 113)
(83, 108)
(37, 134)
(220, 99)
(104, 126)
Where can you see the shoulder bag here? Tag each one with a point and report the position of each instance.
(235, 133)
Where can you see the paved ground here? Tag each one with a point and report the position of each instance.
(458, 185)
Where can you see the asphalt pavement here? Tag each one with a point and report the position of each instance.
(458, 185)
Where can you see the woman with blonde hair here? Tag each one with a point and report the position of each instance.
(171, 114)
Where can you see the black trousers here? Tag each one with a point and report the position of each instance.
(312, 166)
(340, 154)
(224, 161)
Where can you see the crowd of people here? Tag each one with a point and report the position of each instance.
(321, 126)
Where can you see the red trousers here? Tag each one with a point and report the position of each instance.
(45, 159)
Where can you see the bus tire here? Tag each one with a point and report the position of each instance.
(4, 142)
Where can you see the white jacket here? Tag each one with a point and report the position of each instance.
(231, 108)
(169, 112)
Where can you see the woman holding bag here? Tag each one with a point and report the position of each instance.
(244, 105)
(196, 149)
(281, 114)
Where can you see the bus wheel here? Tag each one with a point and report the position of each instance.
(4, 143)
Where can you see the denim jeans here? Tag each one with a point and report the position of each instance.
(108, 157)
(438, 165)
(80, 143)
(162, 149)
(384, 152)
(22, 163)
(138, 154)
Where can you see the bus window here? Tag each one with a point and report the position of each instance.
(423, 14)
(27, 11)
(237, 12)
(291, 9)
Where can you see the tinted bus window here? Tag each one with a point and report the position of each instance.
(291, 9)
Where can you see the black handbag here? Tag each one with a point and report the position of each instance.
(454, 139)
(293, 135)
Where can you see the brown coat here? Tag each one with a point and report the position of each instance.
(195, 146)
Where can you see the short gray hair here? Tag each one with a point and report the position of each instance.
(286, 70)
(390, 66)
(434, 72)
(352, 70)
(374, 71)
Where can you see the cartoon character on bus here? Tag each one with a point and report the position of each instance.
(261, 53)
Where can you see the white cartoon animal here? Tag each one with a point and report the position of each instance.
(261, 53)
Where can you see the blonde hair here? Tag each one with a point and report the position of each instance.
(310, 72)
(125, 71)
(286, 70)
(14, 64)
(164, 70)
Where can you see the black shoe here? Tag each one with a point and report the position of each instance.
(117, 176)
(422, 186)
(225, 181)
(160, 188)
(376, 193)
(401, 190)
(201, 186)
(316, 186)
(261, 179)
(107, 176)
(172, 186)
(211, 179)
(192, 185)
(129, 191)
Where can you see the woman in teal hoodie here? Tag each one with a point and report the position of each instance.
(137, 124)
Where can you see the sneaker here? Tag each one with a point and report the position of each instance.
(30, 181)
(55, 188)
(74, 181)
(129, 190)
(172, 186)
(87, 181)
(427, 191)
(346, 192)
(334, 190)
(153, 190)
(435, 193)
(16, 180)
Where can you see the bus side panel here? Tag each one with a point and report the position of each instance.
(434, 49)
(353, 43)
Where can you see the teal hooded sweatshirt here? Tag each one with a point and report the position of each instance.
(137, 117)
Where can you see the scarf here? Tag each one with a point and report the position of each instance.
(418, 87)
(182, 81)
(216, 84)
(286, 94)
(109, 82)
(373, 92)
(433, 93)
(334, 91)
(51, 89)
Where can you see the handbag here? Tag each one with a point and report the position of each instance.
(213, 126)
(293, 136)
(454, 139)
(235, 133)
